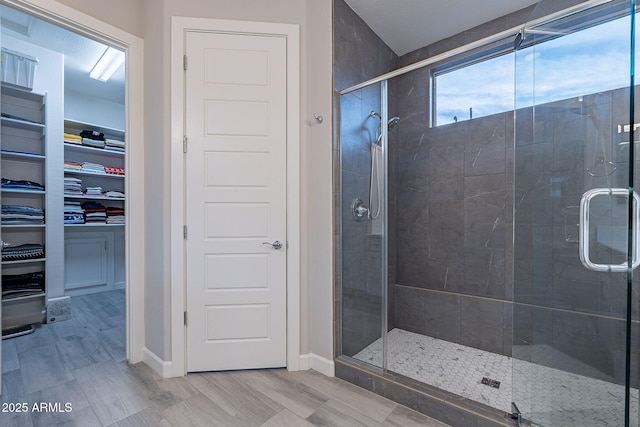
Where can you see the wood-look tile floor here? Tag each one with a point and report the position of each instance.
(81, 362)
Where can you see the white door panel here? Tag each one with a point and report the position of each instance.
(235, 201)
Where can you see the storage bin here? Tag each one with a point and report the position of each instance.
(17, 69)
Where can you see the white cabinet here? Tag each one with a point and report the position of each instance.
(23, 164)
(88, 262)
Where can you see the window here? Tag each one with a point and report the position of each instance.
(590, 60)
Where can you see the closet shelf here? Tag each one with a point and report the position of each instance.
(20, 155)
(92, 150)
(21, 124)
(101, 175)
(23, 226)
(70, 196)
(94, 225)
(25, 297)
(24, 261)
(11, 190)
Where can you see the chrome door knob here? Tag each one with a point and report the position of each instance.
(275, 245)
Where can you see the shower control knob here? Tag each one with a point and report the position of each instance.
(358, 209)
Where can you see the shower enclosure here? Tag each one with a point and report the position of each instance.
(487, 252)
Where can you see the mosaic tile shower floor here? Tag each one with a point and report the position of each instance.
(577, 400)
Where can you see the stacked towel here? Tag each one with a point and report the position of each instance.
(21, 215)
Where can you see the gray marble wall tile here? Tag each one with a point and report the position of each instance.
(410, 309)
(484, 272)
(442, 316)
(484, 151)
(445, 166)
(484, 206)
(482, 324)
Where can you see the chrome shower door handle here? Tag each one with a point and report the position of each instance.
(584, 246)
(275, 245)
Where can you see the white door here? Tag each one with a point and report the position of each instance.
(235, 201)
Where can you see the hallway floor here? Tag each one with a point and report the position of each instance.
(82, 362)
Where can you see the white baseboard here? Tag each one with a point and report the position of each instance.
(317, 363)
(120, 285)
(305, 362)
(162, 368)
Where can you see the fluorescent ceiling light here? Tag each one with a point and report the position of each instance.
(108, 63)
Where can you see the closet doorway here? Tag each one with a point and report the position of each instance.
(66, 143)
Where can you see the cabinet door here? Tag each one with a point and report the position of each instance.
(88, 262)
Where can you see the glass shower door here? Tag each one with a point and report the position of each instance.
(572, 166)
(362, 227)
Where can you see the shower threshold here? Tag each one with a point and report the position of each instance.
(543, 393)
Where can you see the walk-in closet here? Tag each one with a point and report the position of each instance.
(63, 149)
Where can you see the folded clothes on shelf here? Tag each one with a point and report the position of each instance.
(72, 186)
(20, 285)
(93, 167)
(114, 143)
(93, 143)
(111, 170)
(115, 215)
(12, 184)
(92, 134)
(22, 252)
(94, 212)
(21, 215)
(73, 212)
(93, 191)
(70, 138)
(114, 193)
(72, 166)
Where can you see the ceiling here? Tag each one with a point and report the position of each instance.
(80, 53)
(407, 25)
(404, 25)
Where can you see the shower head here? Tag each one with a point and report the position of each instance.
(391, 124)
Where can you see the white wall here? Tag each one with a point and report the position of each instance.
(124, 14)
(49, 80)
(318, 185)
(79, 107)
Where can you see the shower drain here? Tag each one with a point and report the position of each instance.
(490, 382)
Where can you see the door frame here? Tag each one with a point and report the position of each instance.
(81, 23)
(179, 27)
